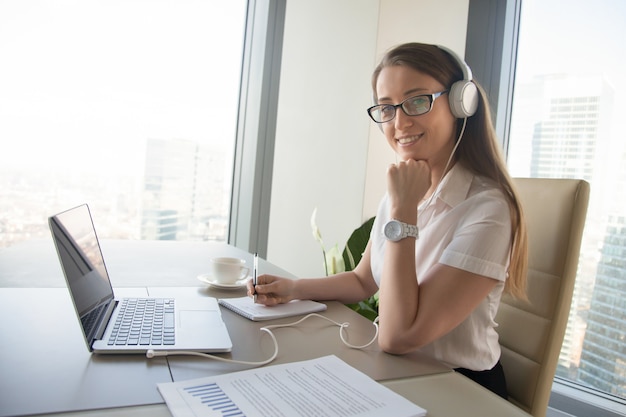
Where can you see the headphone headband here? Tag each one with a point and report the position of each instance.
(467, 72)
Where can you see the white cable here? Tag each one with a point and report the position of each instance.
(456, 145)
(342, 326)
(155, 353)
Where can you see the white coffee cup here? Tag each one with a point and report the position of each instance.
(226, 270)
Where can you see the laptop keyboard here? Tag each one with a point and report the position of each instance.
(144, 322)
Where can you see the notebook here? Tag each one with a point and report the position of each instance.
(191, 324)
(246, 307)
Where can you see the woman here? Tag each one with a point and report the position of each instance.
(439, 292)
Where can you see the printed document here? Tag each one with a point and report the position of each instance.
(325, 386)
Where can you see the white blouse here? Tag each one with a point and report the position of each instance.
(466, 225)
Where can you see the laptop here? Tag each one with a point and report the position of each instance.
(172, 324)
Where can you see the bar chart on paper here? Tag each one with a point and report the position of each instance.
(213, 398)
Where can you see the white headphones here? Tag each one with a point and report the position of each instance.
(463, 95)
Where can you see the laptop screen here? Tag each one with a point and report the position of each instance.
(81, 259)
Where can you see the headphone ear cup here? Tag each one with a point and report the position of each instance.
(463, 98)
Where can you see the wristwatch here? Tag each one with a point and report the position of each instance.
(396, 230)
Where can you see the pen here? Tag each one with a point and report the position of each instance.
(254, 274)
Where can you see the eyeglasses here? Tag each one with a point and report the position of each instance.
(412, 106)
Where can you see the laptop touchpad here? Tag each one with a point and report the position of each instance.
(199, 319)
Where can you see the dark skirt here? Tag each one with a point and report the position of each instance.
(492, 379)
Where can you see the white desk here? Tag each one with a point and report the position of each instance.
(68, 378)
(442, 395)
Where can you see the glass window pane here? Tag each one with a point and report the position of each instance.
(566, 123)
(127, 105)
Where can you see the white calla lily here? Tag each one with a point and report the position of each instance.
(334, 261)
(316, 231)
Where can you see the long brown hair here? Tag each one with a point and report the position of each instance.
(479, 150)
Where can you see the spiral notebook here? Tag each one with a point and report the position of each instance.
(246, 307)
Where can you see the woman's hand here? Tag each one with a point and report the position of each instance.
(271, 290)
(407, 184)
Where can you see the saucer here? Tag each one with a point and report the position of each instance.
(208, 279)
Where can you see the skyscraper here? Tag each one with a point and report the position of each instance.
(183, 195)
(603, 361)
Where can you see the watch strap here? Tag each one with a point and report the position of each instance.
(410, 230)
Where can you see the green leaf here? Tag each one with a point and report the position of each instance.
(356, 244)
(366, 308)
(352, 254)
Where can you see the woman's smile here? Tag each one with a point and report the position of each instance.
(408, 140)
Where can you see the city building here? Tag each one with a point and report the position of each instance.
(183, 194)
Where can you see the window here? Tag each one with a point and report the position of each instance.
(566, 122)
(128, 105)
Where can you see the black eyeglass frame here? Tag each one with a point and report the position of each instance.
(431, 98)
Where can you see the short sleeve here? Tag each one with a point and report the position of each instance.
(481, 241)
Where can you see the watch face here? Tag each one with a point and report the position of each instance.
(393, 230)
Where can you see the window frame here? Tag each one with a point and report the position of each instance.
(256, 126)
(491, 51)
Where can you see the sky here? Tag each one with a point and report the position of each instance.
(573, 36)
(100, 77)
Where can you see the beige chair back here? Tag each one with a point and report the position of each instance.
(531, 333)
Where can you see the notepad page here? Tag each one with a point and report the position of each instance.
(246, 307)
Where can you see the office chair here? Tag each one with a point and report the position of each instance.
(531, 332)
